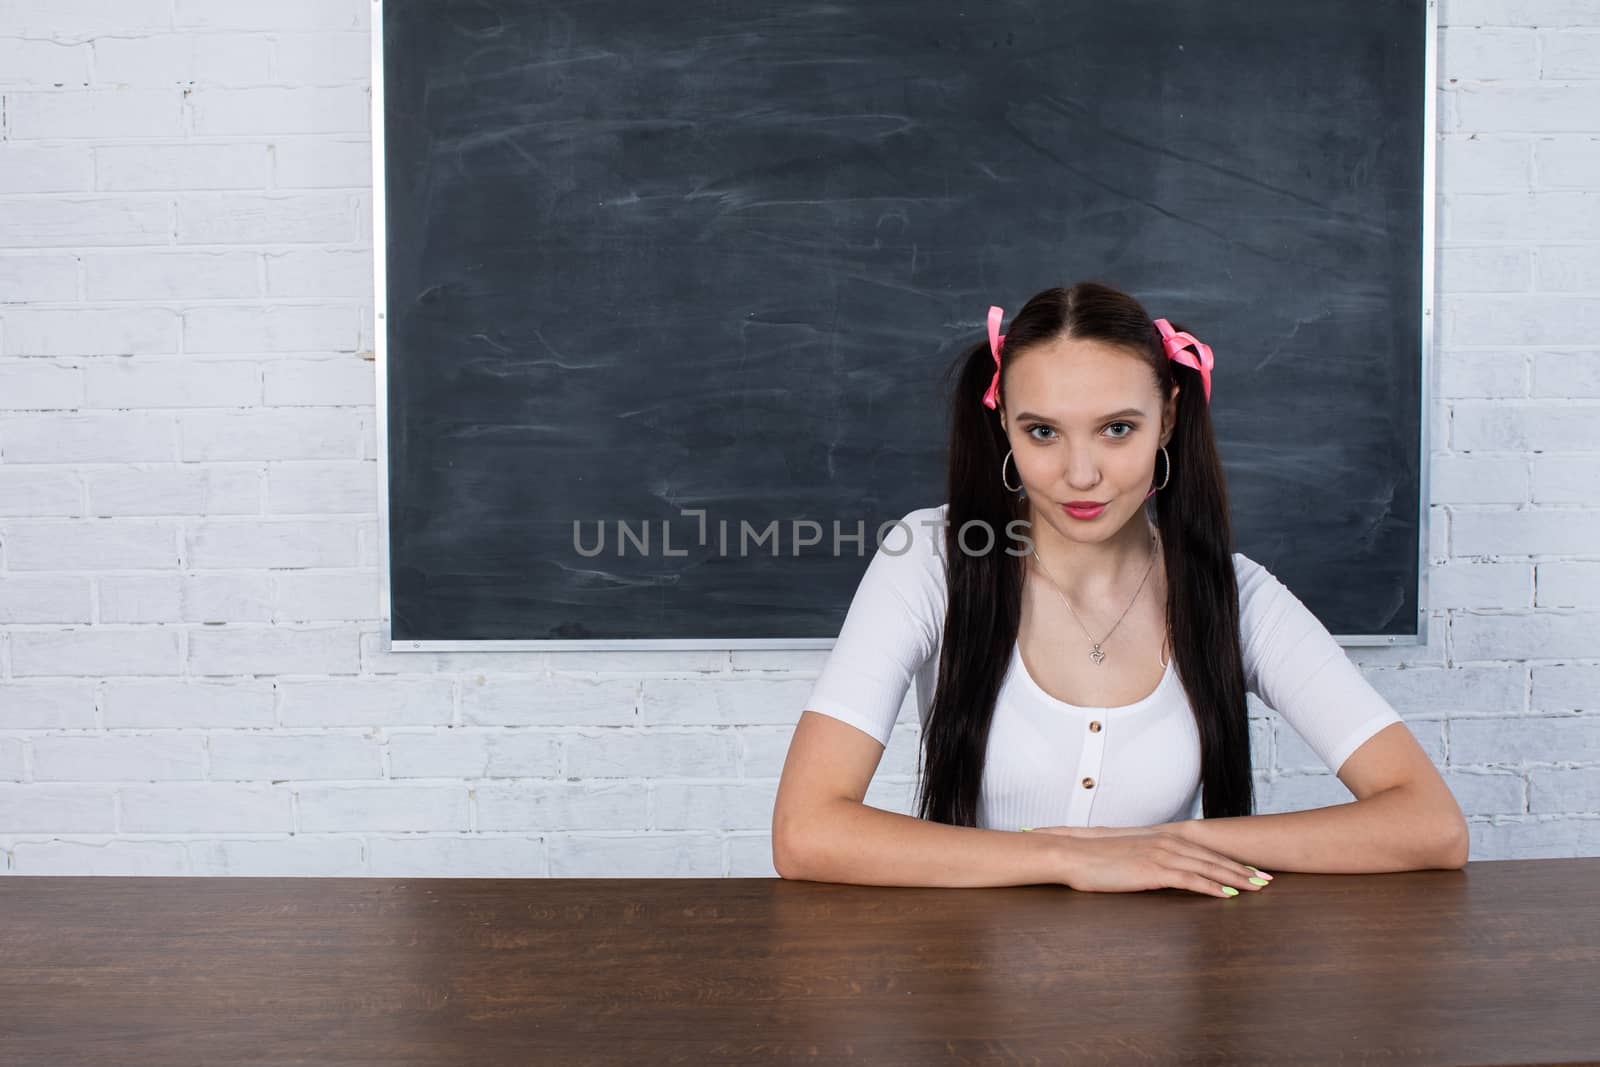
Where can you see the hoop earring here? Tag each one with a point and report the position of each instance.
(1008, 485)
(1167, 477)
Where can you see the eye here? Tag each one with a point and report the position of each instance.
(1120, 436)
(1037, 426)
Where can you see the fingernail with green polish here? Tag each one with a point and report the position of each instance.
(1229, 891)
(1258, 881)
(1024, 828)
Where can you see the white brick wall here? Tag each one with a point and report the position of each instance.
(191, 677)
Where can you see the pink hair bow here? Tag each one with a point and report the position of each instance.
(1178, 342)
(996, 339)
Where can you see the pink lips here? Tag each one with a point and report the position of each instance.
(1083, 512)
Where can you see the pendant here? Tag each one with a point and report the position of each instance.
(1097, 655)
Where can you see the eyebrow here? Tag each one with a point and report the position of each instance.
(1114, 415)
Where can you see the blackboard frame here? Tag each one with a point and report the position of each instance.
(1430, 29)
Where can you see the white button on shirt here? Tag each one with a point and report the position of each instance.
(1051, 763)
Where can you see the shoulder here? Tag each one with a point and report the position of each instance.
(908, 562)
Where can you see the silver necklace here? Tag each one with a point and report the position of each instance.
(1096, 653)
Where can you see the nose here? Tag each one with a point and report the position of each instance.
(1082, 472)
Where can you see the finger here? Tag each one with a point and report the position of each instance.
(1206, 855)
(1220, 873)
(1183, 878)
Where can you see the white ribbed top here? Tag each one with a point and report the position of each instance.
(1142, 760)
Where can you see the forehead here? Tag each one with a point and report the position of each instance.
(1074, 377)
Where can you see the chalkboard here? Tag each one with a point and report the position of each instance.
(695, 267)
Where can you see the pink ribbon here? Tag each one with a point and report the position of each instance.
(1177, 343)
(996, 339)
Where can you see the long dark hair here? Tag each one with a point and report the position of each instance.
(985, 588)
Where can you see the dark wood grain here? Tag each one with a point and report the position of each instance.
(1498, 963)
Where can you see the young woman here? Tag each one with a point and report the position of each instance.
(1082, 637)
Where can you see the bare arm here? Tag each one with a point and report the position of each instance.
(1405, 819)
(846, 841)
(823, 832)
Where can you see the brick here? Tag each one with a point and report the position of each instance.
(37, 492)
(1556, 215)
(118, 757)
(388, 807)
(80, 221)
(1515, 742)
(202, 598)
(283, 15)
(1472, 373)
(276, 857)
(1485, 269)
(272, 650)
(44, 278)
(1569, 268)
(324, 596)
(172, 275)
(1539, 635)
(467, 856)
(1531, 837)
(47, 705)
(185, 167)
(1480, 164)
(1566, 162)
(322, 163)
(144, 859)
(1565, 479)
(320, 272)
(1478, 478)
(549, 702)
(322, 58)
(275, 110)
(1465, 584)
(266, 218)
(143, 651)
(591, 805)
(1566, 687)
(174, 489)
(299, 488)
(1564, 790)
(250, 755)
(269, 434)
(1530, 531)
(1472, 55)
(31, 808)
(57, 599)
(185, 703)
(1537, 425)
(40, 169)
(1569, 585)
(474, 753)
(95, 113)
(224, 329)
(367, 702)
(1566, 374)
(649, 754)
(182, 59)
(34, 385)
(202, 808)
(90, 331)
(341, 380)
(43, 64)
(171, 383)
(654, 855)
(1569, 54)
(91, 545)
(267, 543)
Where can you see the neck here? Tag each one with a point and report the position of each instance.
(1090, 567)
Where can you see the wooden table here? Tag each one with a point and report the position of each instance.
(1498, 963)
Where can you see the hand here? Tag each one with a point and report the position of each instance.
(1121, 859)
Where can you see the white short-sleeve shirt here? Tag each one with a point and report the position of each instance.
(1142, 759)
